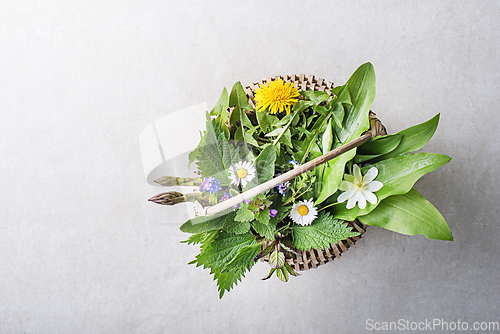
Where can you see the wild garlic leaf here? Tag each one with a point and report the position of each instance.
(324, 230)
(398, 175)
(409, 214)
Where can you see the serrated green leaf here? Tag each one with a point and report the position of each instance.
(264, 230)
(324, 230)
(236, 227)
(223, 249)
(398, 175)
(244, 259)
(409, 214)
(203, 238)
(263, 216)
(244, 215)
(277, 259)
(226, 280)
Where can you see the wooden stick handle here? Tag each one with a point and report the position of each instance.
(288, 175)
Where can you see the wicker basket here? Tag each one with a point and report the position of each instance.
(305, 260)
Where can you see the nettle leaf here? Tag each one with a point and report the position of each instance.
(203, 238)
(398, 175)
(361, 88)
(236, 227)
(413, 138)
(230, 154)
(210, 153)
(324, 230)
(409, 214)
(226, 280)
(222, 251)
(245, 258)
(264, 164)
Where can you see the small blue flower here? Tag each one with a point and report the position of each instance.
(210, 184)
(294, 163)
(225, 197)
(283, 187)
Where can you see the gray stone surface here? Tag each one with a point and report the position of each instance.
(82, 251)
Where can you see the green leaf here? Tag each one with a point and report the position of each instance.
(238, 97)
(221, 105)
(414, 138)
(324, 230)
(277, 259)
(223, 249)
(263, 120)
(245, 258)
(316, 96)
(264, 164)
(207, 223)
(327, 139)
(409, 214)
(398, 175)
(379, 146)
(244, 215)
(226, 280)
(203, 238)
(263, 216)
(230, 154)
(265, 230)
(361, 88)
(282, 274)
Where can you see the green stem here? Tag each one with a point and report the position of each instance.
(329, 205)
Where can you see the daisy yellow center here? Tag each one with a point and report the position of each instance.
(242, 173)
(303, 210)
(276, 96)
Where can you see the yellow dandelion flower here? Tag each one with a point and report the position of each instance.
(276, 96)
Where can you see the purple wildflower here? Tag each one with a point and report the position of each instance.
(273, 213)
(283, 187)
(210, 184)
(225, 197)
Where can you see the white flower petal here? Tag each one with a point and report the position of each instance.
(345, 196)
(345, 186)
(370, 197)
(370, 175)
(351, 203)
(243, 182)
(374, 186)
(361, 201)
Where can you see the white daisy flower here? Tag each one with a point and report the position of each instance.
(241, 173)
(303, 212)
(360, 188)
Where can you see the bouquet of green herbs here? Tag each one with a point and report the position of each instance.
(244, 146)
